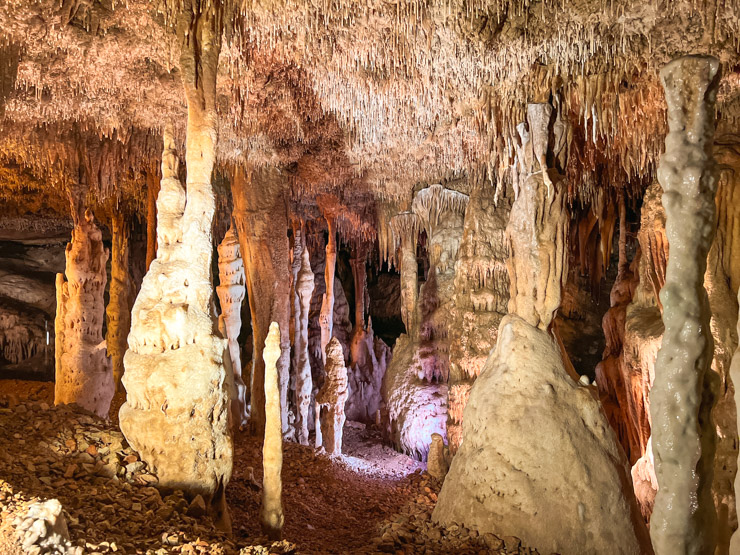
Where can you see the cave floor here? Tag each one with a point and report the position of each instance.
(369, 500)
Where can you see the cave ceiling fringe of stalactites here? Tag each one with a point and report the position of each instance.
(364, 99)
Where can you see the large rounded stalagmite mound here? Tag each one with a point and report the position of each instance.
(538, 459)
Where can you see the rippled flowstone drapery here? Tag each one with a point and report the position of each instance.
(176, 413)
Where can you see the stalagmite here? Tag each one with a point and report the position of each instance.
(118, 310)
(176, 414)
(303, 380)
(327, 304)
(682, 397)
(261, 219)
(330, 400)
(505, 481)
(231, 292)
(83, 370)
(271, 510)
(405, 227)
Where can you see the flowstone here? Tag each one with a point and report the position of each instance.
(570, 494)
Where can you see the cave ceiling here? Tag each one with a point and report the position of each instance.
(358, 101)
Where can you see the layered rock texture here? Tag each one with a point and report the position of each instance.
(83, 370)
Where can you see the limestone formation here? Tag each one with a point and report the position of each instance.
(415, 387)
(231, 291)
(516, 483)
(261, 219)
(83, 369)
(330, 401)
(683, 440)
(481, 296)
(303, 379)
(118, 311)
(405, 227)
(436, 460)
(326, 318)
(271, 510)
(177, 406)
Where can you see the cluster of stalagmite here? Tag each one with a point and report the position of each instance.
(683, 392)
(508, 474)
(415, 386)
(231, 291)
(176, 414)
(83, 370)
(330, 400)
(271, 511)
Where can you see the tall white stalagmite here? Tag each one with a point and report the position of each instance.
(330, 400)
(271, 512)
(83, 370)
(681, 400)
(303, 380)
(176, 413)
(231, 292)
(326, 317)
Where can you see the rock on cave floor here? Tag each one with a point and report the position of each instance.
(370, 500)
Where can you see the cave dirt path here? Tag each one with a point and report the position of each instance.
(332, 505)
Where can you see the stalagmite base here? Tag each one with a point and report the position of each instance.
(330, 400)
(271, 511)
(303, 379)
(682, 397)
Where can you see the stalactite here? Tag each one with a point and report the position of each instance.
(271, 510)
(327, 304)
(261, 219)
(231, 291)
(183, 433)
(119, 306)
(83, 370)
(303, 379)
(683, 436)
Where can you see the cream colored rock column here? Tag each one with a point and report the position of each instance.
(303, 379)
(405, 227)
(176, 414)
(681, 400)
(83, 370)
(271, 511)
(231, 291)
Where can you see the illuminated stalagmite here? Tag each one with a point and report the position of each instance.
(303, 379)
(684, 518)
(118, 310)
(481, 298)
(83, 369)
(231, 291)
(176, 413)
(516, 472)
(415, 384)
(330, 400)
(261, 219)
(271, 510)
